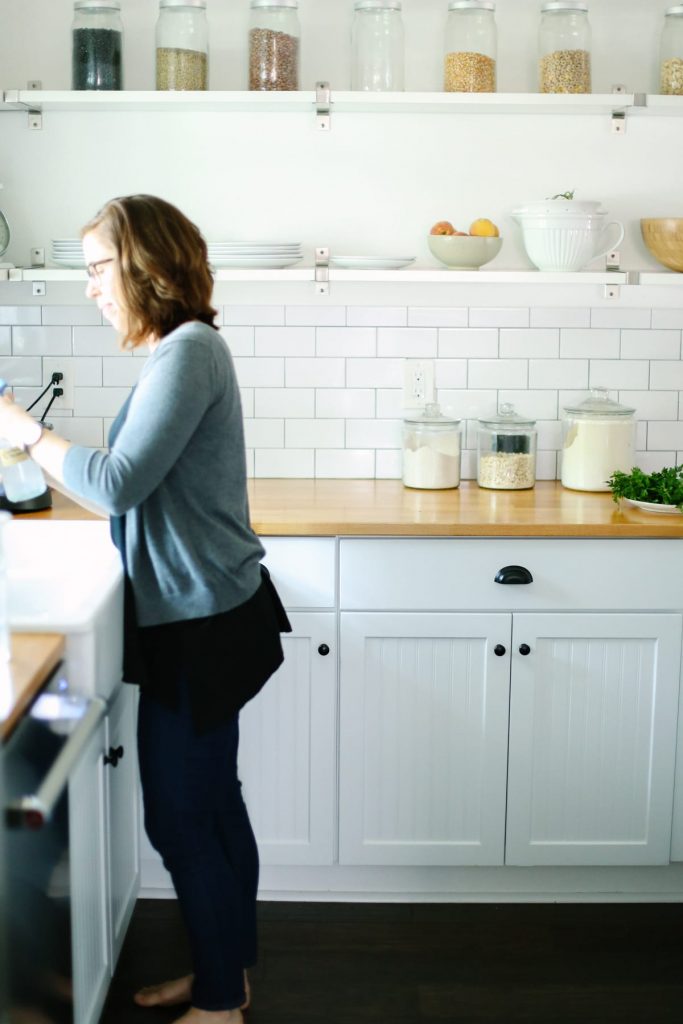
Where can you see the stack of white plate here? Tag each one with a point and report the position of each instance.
(68, 252)
(257, 255)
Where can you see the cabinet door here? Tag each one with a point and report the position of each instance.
(123, 815)
(287, 755)
(89, 892)
(592, 738)
(423, 738)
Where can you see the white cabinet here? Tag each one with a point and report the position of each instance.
(104, 850)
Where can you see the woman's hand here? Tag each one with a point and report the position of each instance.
(16, 425)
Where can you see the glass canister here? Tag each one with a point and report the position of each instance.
(598, 438)
(671, 53)
(182, 45)
(5, 518)
(564, 47)
(274, 39)
(506, 451)
(431, 449)
(471, 47)
(377, 45)
(97, 45)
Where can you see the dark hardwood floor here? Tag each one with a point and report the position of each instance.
(408, 963)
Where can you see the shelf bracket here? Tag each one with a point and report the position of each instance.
(322, 106)
(612, 291)
(37, 257)
(35, 114)
(38, 288)
(322, 270)
(612, 260)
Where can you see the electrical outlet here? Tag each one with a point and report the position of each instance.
(418, 386)
(55, 364)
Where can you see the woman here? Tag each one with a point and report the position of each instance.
(203, 621)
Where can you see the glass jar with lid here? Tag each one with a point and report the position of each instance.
(182, 45)
(96, 45)
(564, 47)
(671, 53)
(598, 439)
(471, 47)
(431, 449)
(506, 451)
(377, 45)
(274, 40)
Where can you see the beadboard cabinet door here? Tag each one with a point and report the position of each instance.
(287, 751)
(593, 712)
(423, 738)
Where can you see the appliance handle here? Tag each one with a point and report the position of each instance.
(34, 810)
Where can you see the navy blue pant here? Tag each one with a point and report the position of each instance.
(196, 819)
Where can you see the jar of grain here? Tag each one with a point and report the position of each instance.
(377, 46)
(598, 439)
(564, 45)
(506, 451)
(431, 449)
(96, 36)
(182, 45)
(274, 35)
(471, 44)
(671, 53)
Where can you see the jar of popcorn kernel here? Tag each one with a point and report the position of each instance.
(671, 53)
(471, 44)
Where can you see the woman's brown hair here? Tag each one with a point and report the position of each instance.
(162, 268)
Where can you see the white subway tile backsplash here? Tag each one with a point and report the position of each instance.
(546, 466)
(390, 404)
(667, 318)
(530, 343)
(389, 464)
(583, 343)
(264, 433)
(96, 341)
(374, 373)
(468, 343)
(494, 316)
(615, 373)
(348, 464)
(71, 315)
(254, 373)
(39, 341)
(558, 373)
(652, 462)
(652, 405)
(617, 316)
(314, 316)
(549, 434)
(467, 404)
(663, 436)
(99, 401)
(284, 341)
(377, 316)
(289, 462)
(498, 373)
(5, 341)
(240, 340)
(321, 433)
(312, 373)
(254, 315)
(540, 405)
(346, 341)
(450, 373)
(437, 316)
(348, 404)
(409, 342)
(247, 401)
(550, 317)
(665, 375)
(374, 433)
(80, 430)
(285, 402)
(660, 344)
(21, 371)
(120, 372)
(19, 314)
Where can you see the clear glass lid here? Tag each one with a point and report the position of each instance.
(507, 419)
(431, 414)
(599, 403)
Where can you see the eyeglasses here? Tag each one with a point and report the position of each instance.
(94, 270)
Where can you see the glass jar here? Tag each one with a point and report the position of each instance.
(431, 449)
(671, 53)
(274, 36)
(182, 45)
(471, 45)
(598, 439)
(564, 47)
(506, 451)
(5, 518)
(377, 45)
(96, 45)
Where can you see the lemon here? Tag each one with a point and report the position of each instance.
(484, 228)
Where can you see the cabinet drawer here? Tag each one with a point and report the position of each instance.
(303, 570)
(421, 574)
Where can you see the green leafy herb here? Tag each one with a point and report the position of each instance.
(564, 195)
(662, 488)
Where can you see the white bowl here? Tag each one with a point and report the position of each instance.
(464, 252)
(559, 207)
(567, 243)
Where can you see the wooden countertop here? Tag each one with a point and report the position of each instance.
(298, 507)
(34, 656)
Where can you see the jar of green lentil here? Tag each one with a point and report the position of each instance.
(471, 44)
(564, 43)
(182, 45)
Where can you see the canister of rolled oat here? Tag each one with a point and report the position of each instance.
(671, 53)
(471, 45)
(564, 47)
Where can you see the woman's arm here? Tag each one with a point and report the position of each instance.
(20, 429)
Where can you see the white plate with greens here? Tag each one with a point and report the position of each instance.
(652, 506)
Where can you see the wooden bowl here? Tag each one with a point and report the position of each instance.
(664, 238)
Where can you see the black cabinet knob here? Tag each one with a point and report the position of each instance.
(499, 650)
(513, 574)
(323, 649)
(114, 756)
(524, 649)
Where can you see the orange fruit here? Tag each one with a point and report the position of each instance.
(484, 228)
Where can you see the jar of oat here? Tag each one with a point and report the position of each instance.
(431, 449)
(274, 36)
(96, 44)
(377, 46)
(671, 53)
(182, 45)
(564, 44)
(506, 451)
(471, 44)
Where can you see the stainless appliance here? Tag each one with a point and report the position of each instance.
(36, 763)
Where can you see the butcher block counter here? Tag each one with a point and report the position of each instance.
(34, 656)
(324, 508)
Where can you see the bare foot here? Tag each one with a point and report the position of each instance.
(196, 1016)
(167, 993)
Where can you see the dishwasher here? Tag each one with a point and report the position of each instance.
(37, 761)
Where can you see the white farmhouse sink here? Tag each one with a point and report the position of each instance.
(66, 577)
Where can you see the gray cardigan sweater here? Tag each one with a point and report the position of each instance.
(176, 470)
